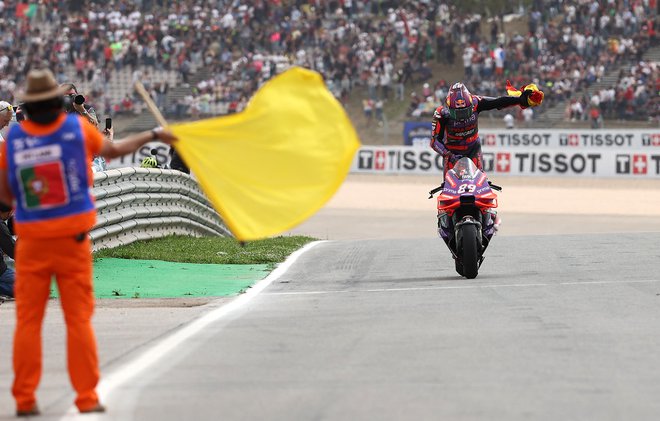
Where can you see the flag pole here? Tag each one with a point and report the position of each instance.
(139, 87)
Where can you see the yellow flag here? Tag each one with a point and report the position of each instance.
(275, 164)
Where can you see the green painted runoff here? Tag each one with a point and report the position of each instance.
(126, 278)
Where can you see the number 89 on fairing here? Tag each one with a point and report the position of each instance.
(470, 188)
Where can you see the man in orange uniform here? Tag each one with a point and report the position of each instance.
(45, 170)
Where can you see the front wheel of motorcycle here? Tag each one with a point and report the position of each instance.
(470, 247)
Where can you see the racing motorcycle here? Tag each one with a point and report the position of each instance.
(466, 215)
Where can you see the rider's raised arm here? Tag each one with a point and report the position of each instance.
(489, 103)
(438, 133)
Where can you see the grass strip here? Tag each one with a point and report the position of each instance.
(209, 250)
(183, 266)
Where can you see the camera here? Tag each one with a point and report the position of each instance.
(20, 114)
(69, 100)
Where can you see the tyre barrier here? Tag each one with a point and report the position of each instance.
(143, 203)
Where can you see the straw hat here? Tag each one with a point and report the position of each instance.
(41, 85)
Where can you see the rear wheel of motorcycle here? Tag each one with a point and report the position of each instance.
(470, 256)
(459, 267)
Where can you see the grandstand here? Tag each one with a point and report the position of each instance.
(202, 60)
(557, 112)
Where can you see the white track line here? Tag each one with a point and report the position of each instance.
(643, 281)
(114, 380)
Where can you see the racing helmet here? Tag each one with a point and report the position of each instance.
(459, 102)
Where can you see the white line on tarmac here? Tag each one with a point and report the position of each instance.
(464, 287)
(157, 352)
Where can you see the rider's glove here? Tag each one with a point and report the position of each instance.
(524, 98)
(531, 98)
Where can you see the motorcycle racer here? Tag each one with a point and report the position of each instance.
(455, 130)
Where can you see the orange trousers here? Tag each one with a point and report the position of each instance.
(70, 261)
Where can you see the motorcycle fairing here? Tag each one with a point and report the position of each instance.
(466, 193)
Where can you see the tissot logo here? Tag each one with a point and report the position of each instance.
(636, 164)
(651, 139)
(366, 160)
(490, 140)
(569, 139)
(503, 162)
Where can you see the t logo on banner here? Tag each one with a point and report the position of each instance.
(651, 140)
(365, 160)
(623, 164)
(489, 160)
(503, 162)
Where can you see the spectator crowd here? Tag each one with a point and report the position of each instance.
(223, 50)
(634, 96)
(568, 47)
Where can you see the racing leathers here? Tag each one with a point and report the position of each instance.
(453, 138)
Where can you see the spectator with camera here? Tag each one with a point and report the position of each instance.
(74, 102)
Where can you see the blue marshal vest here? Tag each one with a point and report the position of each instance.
(48, 175)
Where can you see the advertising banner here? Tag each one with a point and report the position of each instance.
(517, 161)
(605, 163)
(578, 139)
(397, 160)
(419, 134)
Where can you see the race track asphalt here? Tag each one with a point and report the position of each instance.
(554, 328)
(561, 324)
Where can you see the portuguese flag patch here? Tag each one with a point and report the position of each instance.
(43, 185)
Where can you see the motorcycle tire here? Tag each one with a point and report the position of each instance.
(470, 257)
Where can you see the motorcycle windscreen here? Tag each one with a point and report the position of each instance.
(465, 169)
